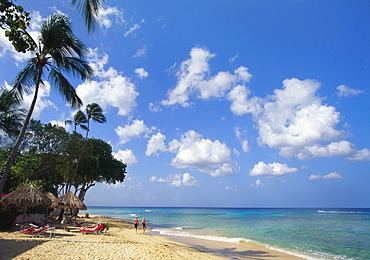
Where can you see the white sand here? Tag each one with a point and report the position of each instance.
(123, 243)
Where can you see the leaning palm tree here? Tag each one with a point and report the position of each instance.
(11, 117)
(57, 51)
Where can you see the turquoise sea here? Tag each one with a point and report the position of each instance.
(308, 233)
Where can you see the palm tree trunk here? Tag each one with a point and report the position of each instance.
(20, 137)
(80, 156)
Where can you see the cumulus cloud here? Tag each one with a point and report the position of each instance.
(155, 144)
(126, 156)
(239, 135)
(111, 89)
(192, 151)
(271, 169)
(342, 148)
(332, 175)
(241, 104)
(141, 73)
(360, 155)
(294, 118)
(136, 129)
(194, 78)
(154, 107)
(258, 184)
(177, 180)
(344, 91)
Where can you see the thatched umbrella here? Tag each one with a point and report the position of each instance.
(68, 201)
(51, 196)
(26, 196)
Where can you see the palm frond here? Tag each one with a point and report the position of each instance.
(95, 112)
(64, 87)
(89, 10)
(76, 66)
(25, 80)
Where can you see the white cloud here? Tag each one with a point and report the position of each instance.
(271, 169)
(193, 78)
(240, 104)
(106, 15)
(136, 129)
(141, 73)
(42, 101)
(112, 89)
(244, 142)
(126, 156)
(344, 91)
(132, 29)
(342, 148)
(295, 118)
(7, 48)
(212, 157)
(154, 107)
(177, 180)
(361, 155)
(332, 175)
(229, 188)
(140, 52)
(258, 184)
(155, 144)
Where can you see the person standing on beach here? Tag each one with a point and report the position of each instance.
(136, 222)
(143, 225)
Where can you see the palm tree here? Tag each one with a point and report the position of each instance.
(11, 116)
(94, 112)
(57, 51)
(89, 10)
(78, 119)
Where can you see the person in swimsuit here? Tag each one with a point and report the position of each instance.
(136, 222)
(143, 224)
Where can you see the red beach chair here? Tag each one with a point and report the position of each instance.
(97, 230)
(39, 231)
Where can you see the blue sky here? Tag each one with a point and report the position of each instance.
(224, 103)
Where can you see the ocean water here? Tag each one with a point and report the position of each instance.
(308, 233)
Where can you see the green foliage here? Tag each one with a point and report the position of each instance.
(14, 20)
(49, 157)
(8, 216)
(11, 117)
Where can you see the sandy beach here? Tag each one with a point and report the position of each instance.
(123, 243)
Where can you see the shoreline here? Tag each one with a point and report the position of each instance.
(123, 243)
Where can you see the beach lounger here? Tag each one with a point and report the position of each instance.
(39, 231)
(97, 231)
(77, 224)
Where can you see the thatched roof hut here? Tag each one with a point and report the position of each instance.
(26, 196)
(70, 201)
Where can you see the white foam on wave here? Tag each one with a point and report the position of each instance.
(171, 232)
(340, 212)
